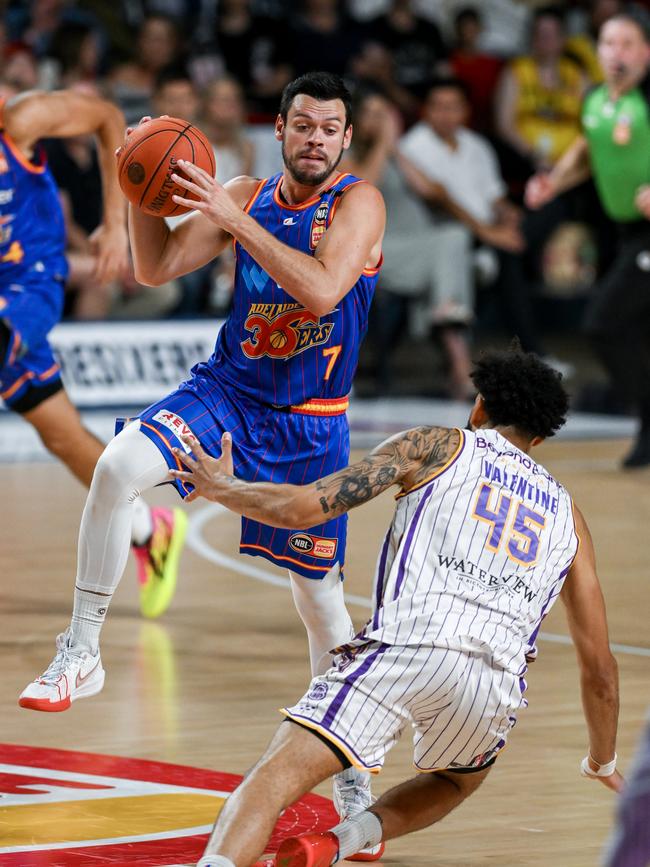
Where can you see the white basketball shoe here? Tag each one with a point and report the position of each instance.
(72, 674)
(352, 796)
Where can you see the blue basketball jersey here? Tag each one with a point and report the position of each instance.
(32, 231)
(271, 347)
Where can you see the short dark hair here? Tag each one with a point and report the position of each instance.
(171, 74)
(520, 390)
(322, 86)
(445, 83)
(550, 11)
(467, 13)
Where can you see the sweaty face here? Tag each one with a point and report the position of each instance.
(622, 51)
(313, 138)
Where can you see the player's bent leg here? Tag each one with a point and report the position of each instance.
(130, 464)
(295, 761)
(321, 606)
(59, 426)
(157, 534)
(409, 807)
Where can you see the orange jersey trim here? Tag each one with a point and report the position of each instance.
(20, 156)
(326, 406)
(368, 272)
(439, 471)
(284, 558)
(27, 376)
(161, 435)
(249, 204)
(309, 202)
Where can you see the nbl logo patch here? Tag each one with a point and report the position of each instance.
(318, 224)
(282, 330)
(314, 546)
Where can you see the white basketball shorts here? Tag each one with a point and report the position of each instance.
(460, 707)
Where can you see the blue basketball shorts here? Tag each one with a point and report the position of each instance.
(29, 308)
(268, 445)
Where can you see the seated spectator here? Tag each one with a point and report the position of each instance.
(478, 71)
(132, 83)
(459, 174)
(175, 94)
(254, 50)
(322, 30)
(583, 47)
(374, 67)
(425, 262)
(222, 119)
(539, 97)
(415, 44)
(77, 49)
(506, 23)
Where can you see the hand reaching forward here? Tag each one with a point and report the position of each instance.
(208, 475)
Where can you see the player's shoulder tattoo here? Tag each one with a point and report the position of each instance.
(428, 449)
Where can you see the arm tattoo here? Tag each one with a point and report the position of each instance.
(408, 458)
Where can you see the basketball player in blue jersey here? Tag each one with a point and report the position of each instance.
(33, 269)
(482, 543)
(308, 249)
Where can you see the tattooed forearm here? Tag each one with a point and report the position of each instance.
(357, 484)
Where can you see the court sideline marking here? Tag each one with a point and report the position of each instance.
(197, 543)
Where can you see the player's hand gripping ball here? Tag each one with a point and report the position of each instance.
(149, 158)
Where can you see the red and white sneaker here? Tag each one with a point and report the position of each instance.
(308, 850)
(71, 675)
(157, 561)
(352, 796)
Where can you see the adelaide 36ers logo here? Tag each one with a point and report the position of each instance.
(70, 809)
(282, 330)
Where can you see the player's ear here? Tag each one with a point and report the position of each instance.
(478, 416)
(347, 137)
(279, 127)
(536, 441)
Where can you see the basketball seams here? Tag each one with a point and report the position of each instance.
(162, 160)
(184, 139)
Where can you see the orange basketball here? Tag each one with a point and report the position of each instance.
(150, 157)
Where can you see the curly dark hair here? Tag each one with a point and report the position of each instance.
(520, 390)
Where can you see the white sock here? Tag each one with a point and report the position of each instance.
(88, 617)
(215, 861)
(142, 526)
(362, 831)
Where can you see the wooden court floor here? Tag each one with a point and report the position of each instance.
(201, 686)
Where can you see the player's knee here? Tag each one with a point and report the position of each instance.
(113, 477)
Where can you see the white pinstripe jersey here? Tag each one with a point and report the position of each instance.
(476, 555)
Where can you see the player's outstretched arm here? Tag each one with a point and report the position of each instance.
(585, 608)
(61, 113)
(406, 459)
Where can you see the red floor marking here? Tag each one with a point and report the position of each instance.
(311, 813)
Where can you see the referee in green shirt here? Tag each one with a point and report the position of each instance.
(615, 148)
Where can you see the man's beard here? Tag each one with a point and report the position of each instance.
(302, 177)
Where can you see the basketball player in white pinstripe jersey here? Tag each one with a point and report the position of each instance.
(482, 543)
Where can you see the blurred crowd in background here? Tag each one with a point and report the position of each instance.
(457, 105)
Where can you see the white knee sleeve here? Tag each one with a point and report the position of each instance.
(130, 464)
(321, 606)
